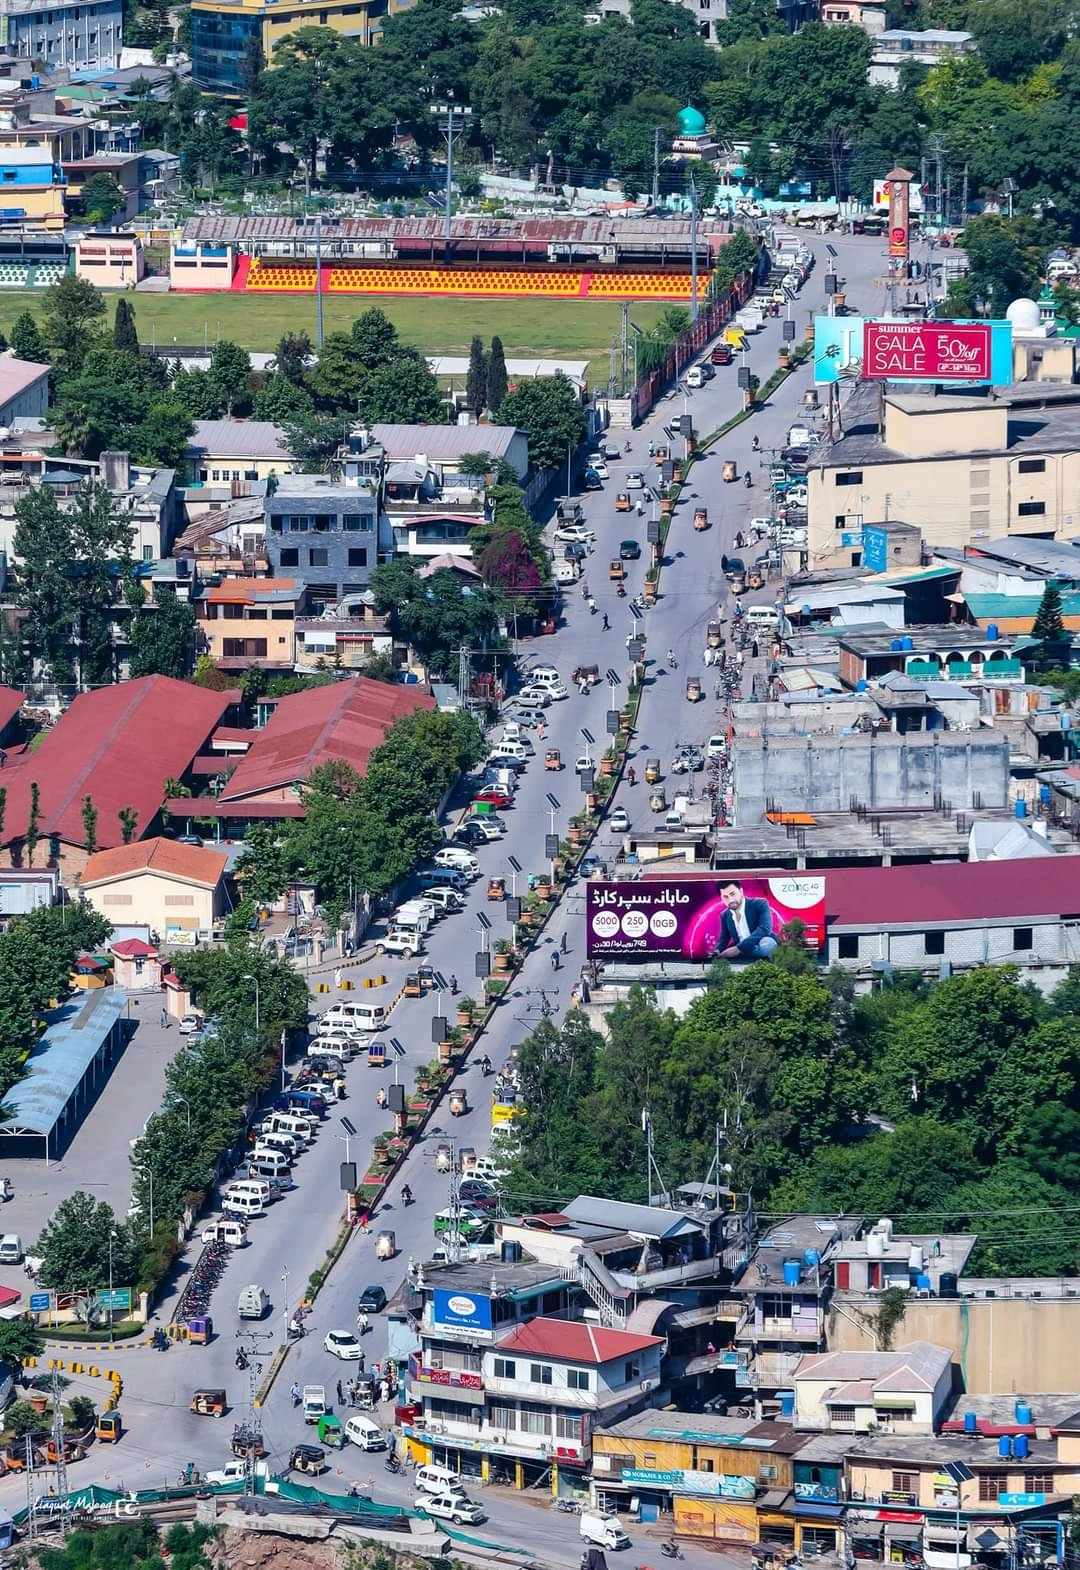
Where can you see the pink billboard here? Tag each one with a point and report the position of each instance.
(734, 918)
(927, 351)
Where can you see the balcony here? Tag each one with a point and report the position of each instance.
(771, 1370)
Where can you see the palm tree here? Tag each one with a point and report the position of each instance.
(72, 428)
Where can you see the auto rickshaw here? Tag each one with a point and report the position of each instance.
(661, 455)
(730, 471)
(652, 771)
(109, 1427)
(200, 1330)
(714, 634)
(330, 1432)
(412, 987)
(693, 689)
(701, 519)
(427, 977)
(657, 799)
(444, 1157)
(459, 1103)
(208, 1403)
(308, 1458)
(376, 1054)
(754, 580)
(73, 1451)
(496, 888)
(553, 759)
(385, 1248)
(247, 1441)
(622, 502)
(617, 570)
(589, 673)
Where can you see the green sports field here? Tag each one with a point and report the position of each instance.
(566, 329)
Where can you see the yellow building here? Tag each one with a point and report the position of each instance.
(959, 467)
(226, 34)
(250, 621)
(175, 890)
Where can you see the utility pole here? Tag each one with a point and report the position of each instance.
(693, 250)
(656, 166)
(964, 197)
(58, 1437)
(454, 1248)
(937, 144)
(624, 345)
(453, 118)
(252, 1345)
(318, 286)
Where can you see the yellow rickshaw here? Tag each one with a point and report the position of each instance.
(622, 502)
(657, 799)
(208, 1403)
(701, 518)
(714, 635)
(496, 888)
(617, 570)
(693, 689)
(652, 771)
(553, 758)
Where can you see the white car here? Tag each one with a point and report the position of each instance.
(446, 901)
(405, 944)
(575, 533)
(635, 480)
(583, 764)
(451, 1507)
(619, 821)
(236, 1471)
(457, 857)
(716, 746)
(598, 466)
(541, 673)
(343, 1344)
(191, 1024)
(556, 691)
(533, 698)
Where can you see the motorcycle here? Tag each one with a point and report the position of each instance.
(620, 590)
(392, 1463)
(671, 1551)
(748, 479)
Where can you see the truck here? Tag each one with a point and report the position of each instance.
(236, 1471)
(603, 1530)
(416, 915)
(313, 1401)
(403, 941)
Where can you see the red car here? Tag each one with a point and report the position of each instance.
(495, 796)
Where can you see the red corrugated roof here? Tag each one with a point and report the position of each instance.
(118, 746)
(347, 719)
(575, 1342)
(212, 807)
(11, 701)
(967, 892)
(133, 948)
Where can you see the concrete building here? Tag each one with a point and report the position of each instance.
(441, 447)
(852, 13)
(960, 467)
(178, 891)
(883, 1258)
(325, 534)
(109, 260)
(77, 36)
(898, 46)
(232, 38)
(147, 497)
(249, 621)
(224, 453)
(856, 1392)
(33, 187)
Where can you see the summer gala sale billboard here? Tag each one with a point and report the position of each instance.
(856, 348)
(695, 918)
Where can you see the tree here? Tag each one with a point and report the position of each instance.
(260, 867)
(279, 400)
(129, 823)
(162, 437)
(72, 309)
(26, 340)
(74, 1247)
(19, 1339)
(497, 382)
(291, 357)
(90, 820)
(1023, 1223)
(125, 335)
(161, 636)
(101, 197)
(230, 374)
(406, 392)
(435, 615)
(375, 339)
(1002, 266)
(549, 411)
(313, 439)
(1049, 625)
(476, 379)
(33, 823)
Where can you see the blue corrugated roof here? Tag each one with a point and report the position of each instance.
(984, 607)
(61, 1058)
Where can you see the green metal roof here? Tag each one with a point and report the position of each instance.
(984, 607)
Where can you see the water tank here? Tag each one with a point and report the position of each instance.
(1020, 807)
(875, 1245)
(923, 1283)
(787, 1404)
(1005, 1449)
(971, 1423)
(510, 1252)
(862, 684)
(1044, 793)
(908, 644)
(792, 1272)
(811, 1258)
(1065, 721)
(915, 1257)
(885, 1227)
(896, 645)
(949, 1284)
(992, 632)
(1021, 1447)
(1022, 1413)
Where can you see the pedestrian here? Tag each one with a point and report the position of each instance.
(360, 1362)
(350, 1392)
(362, 1322)
(337, 977)
(583, 686)
(295, 1393)
(376, 1372)
(384, 1390)
(164, 1019)
(605, 624)
(340, 1394)
(364, 1218)
(754, 649)
(562, 944)
(540, 730)
(554, 959)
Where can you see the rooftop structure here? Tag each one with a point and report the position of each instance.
(66, 1069)
(184, 863)
(575, 1342)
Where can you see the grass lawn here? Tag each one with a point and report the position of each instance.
(566, 329)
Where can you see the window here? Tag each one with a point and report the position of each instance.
(319, 558)
(578, 1378)
(775, 1307)
(503, 1416)
(282, 615)
(186, 900)
(1031, 466)
(568, 1426)
(290, 557)
(505, 1368)
(933, 942)
(257, 614)
(901, 1414)
(232, 612)
(849, 477)
(534, 1420)
(1023, 939)
(1031, 509)
(847, 946)
(358, 558)
(540, 1373)
(842, 1414)
(1039, 1483)
(991, 1484)
(148, 553)
(631, 1371)
(905, 1483)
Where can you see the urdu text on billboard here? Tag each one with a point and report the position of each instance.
(696, 918)
(857, 348)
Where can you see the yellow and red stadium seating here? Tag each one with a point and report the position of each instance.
(287, 278)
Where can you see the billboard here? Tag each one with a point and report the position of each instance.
(462, 1311)
(695, 918)
(883, 192)
(899, 218)
(859, 348)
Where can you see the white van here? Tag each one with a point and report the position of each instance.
(444, 878)
(510, 749)
(437, 1480)
(543, 676)
(236, 1202)
(603, 1530)
(364, 1431)
(297, 1128)
(254, 1303)
(258, 1188)
(11, 1249)
(694, 377)
(565, 572)
(234, 1233)
(763, 617)
(352, 1016)
(267, 1163)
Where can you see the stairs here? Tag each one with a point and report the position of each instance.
(614, 1302)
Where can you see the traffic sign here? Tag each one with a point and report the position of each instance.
(40, 1302)
(119, 1297)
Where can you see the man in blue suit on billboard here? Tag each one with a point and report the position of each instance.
(746, 927)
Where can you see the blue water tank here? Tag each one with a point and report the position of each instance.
(787, 1403)
(1044, 793)
(992, 632)
(861, 685)
(792, 1272)
(1022, 1413)
(1066, 724)
(907, 644)
(811, 1257)
(971, 1423)
(1021, 1447)
(1005, 1447)
(896, 645)
(1020, 807)
(923, 1284)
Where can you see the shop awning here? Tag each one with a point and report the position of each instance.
(903, 1531)
(806, 1507)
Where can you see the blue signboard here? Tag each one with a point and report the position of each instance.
(875, 548)
(40, 1302)
(461, 1311)
(1022, 1501)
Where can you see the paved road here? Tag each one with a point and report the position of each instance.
(294, 1236)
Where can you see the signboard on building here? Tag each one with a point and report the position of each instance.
(462, 1311)
(883, 193)
(817, 1493)
(448, 1378)
(40, 1302)
(685, 1481)
(119, 1297)
(696, 918)
(1021, 1501)
(859, 348)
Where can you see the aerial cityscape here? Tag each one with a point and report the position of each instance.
(552, 1040)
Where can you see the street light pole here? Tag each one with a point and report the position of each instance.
(112, 1235)
(187, 1108)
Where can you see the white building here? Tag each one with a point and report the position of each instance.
(853, 1392)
